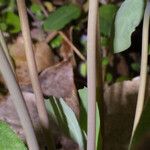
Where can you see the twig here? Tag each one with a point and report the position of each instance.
(33, 73)
(143, 72)
(71, 45)
(5, 48)
(91, 66)
(51, 36)
(18, 101)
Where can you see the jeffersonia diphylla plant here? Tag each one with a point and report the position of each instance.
(85, 131)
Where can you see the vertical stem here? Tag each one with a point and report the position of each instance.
(18, 101)
(5, 48)
(143, 72)
(33, 72)
(91, 66)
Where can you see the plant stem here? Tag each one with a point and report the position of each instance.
(18, 101)
(33, 73)
(72, 46)
(143, 72)
(91, 66)
(51, 36)
(5, 48)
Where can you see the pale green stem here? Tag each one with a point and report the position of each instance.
(91, 66)
(143, 72)
(33, 73)
(18, 101)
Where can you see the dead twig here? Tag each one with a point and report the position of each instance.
(71, 45)
(33, 73)
(18, 101)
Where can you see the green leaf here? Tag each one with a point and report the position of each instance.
(65, 119)
(105, 61)
(56, 42)
(135, 67)
(61, 17)
(143, 128)
(37, 10)
(83, 116)
(83, 69)
(13, 22)
(107, 15)
(105, 41)
(3, 26)
(109, 77)
(8, 139)
(4, 2)
(127, 19)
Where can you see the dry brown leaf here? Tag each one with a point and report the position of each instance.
(58, 81)
(9, 115)
(43, 53)
(43, 56)
(120, 100)
(22, 73)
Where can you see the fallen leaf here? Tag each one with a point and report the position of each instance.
(8, 114)
(58, 81)
(120, 101)
(43, 56)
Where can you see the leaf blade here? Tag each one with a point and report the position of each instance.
(61, 17)
(8, 139)
(66, 120)
(125, 23)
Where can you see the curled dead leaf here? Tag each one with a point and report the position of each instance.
(43, 56)
(58, 81)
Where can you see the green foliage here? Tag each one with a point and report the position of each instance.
(105, 41)
(143, 127)
(83, 116)
(105, 61)
(135, 67)
(56, 42)
(37, 10)
(83, 69)
(3, 26)
(13, 22)
(127, 19)
(11, 5)
(107, 14)
(122, 78)
(65, 119)
(61, 17)
(8, 139)
(10, 22)
(109, 77)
